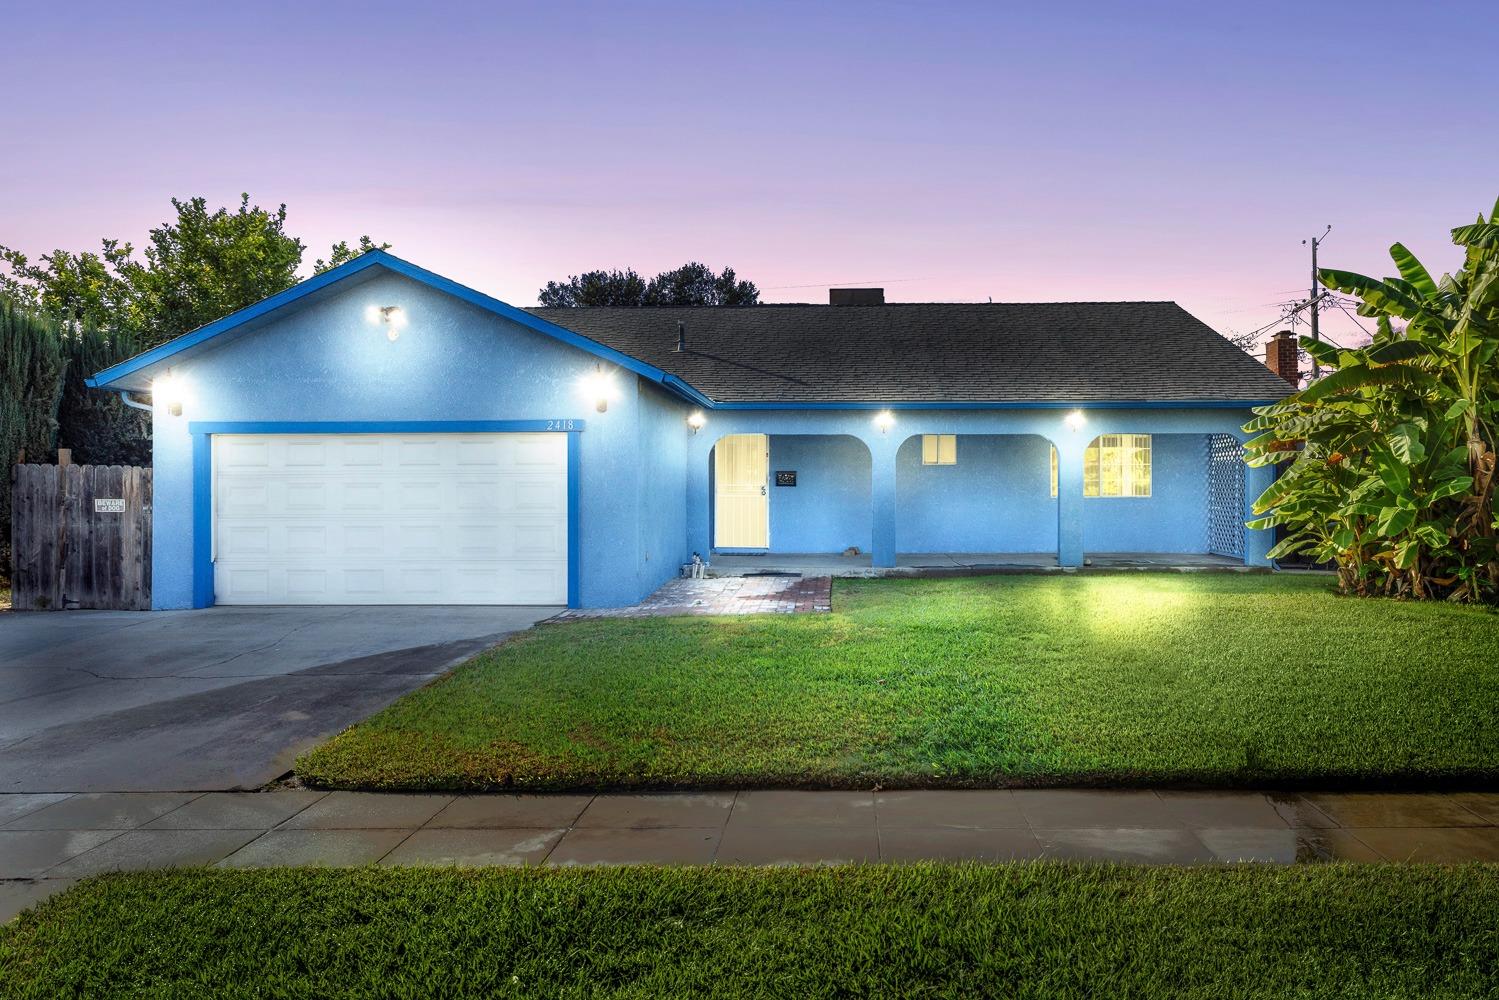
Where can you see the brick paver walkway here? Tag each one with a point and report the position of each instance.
(49, 841)
(731, 595)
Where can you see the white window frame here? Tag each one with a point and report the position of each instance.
(1118, 466)
(939, 449)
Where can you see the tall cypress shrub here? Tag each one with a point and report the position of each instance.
(99, 428)
(31, 377)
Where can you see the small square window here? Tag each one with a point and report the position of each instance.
(1117, 465)
(939, 449)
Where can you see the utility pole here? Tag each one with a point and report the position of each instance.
(1312, 296)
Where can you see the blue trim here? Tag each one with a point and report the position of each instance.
(202, 520)
(682, 388)
(1103, 404)
(560, 426)
(395, 264)
(202, 433)
(574, 521)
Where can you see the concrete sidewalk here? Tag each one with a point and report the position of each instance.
(48, 841)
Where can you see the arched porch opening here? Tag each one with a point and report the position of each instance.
(817, 502)
(974, 500)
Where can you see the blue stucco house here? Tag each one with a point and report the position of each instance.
(381, 434)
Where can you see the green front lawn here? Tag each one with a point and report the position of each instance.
(1052, 931)
(1148, 679)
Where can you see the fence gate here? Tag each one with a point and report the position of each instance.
(80, 537)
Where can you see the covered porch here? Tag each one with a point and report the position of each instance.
(810, 564)
(872, 491)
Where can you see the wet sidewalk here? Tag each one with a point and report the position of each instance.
(48, 841)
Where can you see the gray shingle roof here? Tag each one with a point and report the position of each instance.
(936, 352)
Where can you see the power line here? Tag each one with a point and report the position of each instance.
(1339, 302)
(843, 284)
(1287, 315)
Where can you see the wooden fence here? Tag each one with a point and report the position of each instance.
(80, 537)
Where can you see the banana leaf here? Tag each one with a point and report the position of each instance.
(1413, 271)
(1359, 376)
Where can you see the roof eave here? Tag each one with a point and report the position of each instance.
(1005, 404)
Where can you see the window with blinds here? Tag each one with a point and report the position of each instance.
(939, 449)
(1117, 465)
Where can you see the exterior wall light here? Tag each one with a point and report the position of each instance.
(696, 421)
(1075, 420)
(598, 387)
(884, 420)
(170, 391)
(394, 318)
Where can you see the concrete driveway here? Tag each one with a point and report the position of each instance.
(222, 698)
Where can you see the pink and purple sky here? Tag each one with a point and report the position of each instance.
(950, 152)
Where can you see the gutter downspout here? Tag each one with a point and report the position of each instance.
(133, 404)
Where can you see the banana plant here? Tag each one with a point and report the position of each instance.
(1389, 459)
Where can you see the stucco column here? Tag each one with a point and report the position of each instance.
(1258, 541)
(882, 451)
(1070, 450)
(699, 495)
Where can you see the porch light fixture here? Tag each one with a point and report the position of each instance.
(170, 391)
(696, 420)
(598, 387)
(884, 420)
(394, 318)
(1075, 420)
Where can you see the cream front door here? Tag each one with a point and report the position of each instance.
(741, 474)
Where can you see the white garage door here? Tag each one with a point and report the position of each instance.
(390, 518)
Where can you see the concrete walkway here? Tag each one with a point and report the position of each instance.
(48, 841)
(737, 595)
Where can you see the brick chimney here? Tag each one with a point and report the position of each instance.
(856, 296)
(1280, 356)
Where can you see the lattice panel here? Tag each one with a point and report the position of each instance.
(1225, 496)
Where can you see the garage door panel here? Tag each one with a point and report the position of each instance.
(390, 519)
(243, 453)
(306, 454)
(306, 540)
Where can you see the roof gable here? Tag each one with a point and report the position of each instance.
(136, 373)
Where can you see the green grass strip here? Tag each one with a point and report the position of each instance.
(1041, 930)
(1152, 679)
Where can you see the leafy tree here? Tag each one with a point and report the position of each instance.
(1392, 454)
(199, 267)
(113, 304)
(342, 253)
(695, 284)
(692, 284)
(94, 288)
(209, 264)
(596, 288)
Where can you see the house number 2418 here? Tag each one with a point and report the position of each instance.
(560, 425)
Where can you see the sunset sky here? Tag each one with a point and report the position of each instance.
(1022, 151)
